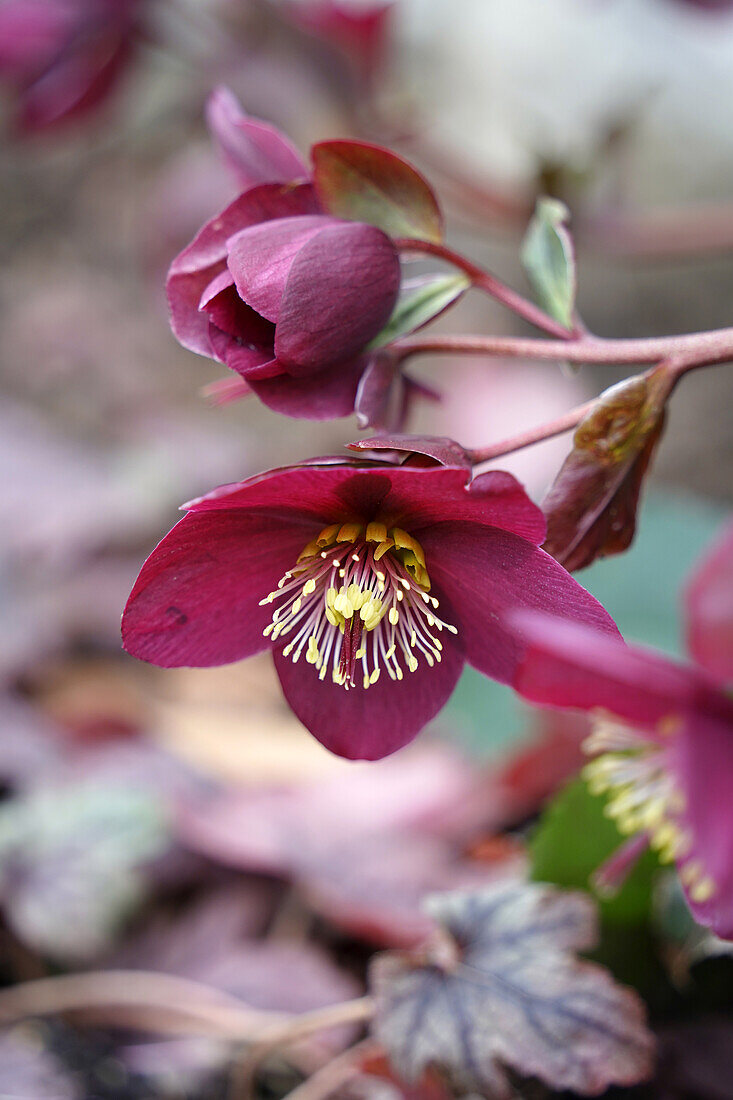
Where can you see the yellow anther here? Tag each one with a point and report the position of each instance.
(327, 537)
(382, 549)
(349, 532)
(412, 663)
(703, 891)
(376, 532)
(310, 550)
(365, 681)
(374, 676)
(312, 655)
(403, 541)
(309, 586)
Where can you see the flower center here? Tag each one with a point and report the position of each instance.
(644, 798)
(358, 595)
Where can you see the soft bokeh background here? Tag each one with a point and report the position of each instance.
(621, 107)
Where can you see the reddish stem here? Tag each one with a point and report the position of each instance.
(484, 280)
(564, 423)
(703, 347)
(673, 369)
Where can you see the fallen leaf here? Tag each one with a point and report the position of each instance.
(501, 989)
(70, 863)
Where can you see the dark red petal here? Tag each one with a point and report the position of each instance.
(255, 151)
(249, 362)
(196, 600)
(702, 758)
(260, 257)
(367, 725)
(486, 574)
(195, 267)
(568, 665)
(340, 292)
(411, 497)
(709, 603)
(324, 396)
(229, 313)
(422, 497)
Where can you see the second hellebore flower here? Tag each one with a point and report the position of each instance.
(663, 745)
(287, 297)
(372, 584)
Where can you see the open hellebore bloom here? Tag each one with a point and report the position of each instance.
(62, 57)
(372, 585)
(663, 746)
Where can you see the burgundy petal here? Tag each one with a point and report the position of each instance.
(411, 497)
(196, 600)
(702, 757)
(260, 258)
(255, 151)
(422, 497)
(709, 602)
(340, 292)
(246, 360)
(569, 665)
(487, 573)
(229, 313)
(195, 267)
(324, 396)
(367, 725)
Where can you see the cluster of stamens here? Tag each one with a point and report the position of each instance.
(358, 596)
(644, 798)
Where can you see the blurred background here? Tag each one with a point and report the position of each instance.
(183, 821)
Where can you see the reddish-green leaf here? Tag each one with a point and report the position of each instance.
(367, 183)
(500, 989)
(591, 507)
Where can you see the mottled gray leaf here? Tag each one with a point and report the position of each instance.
(549, 260)
(501, 988)
(70, 863)
(420, 301)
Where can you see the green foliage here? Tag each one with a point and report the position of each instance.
(549, 260)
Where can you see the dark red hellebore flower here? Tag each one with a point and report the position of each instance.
(372, 584)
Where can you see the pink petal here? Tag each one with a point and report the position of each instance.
(569, 665)
(194, 268)
(339, 294)
(709, 604)
(702, 757)
(486, 574)
(367, 725)
(255, 151)
(327, 395)
(196, 600)
(260, 258)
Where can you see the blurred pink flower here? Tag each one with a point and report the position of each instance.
(360, 33)
(347, 563)
(666, 753)
(61, 58)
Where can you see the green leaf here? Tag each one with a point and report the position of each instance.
(366, 183)
(573, 839)
(420, 301)
(548, 257)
